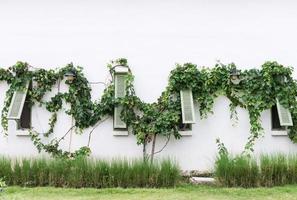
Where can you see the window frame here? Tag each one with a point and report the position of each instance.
(26, 104)
(274, 114)
(282, 130)
(15, 122)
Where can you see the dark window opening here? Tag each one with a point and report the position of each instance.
(120, 129)
(184, 127)
(25, 120)
(275, 120)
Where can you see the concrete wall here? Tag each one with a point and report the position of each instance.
(153, 36)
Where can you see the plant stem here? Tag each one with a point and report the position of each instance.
(153, 147)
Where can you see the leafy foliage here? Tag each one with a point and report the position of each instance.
(256, 92)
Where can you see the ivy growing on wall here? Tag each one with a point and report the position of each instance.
(256, 92)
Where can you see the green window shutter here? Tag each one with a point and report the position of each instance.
(120, 91)
(118, 122)
(284, 115)
(17, 104)
(187, 105)
(120, 85)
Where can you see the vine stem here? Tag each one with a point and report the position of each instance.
(62, 138)
(71, 133)
(153, 147)
(97, 124)
(168, 138)
(144, 150)
(159, 151)
(59, 85)
(98, 82)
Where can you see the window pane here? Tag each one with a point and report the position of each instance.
(275, 119)
(25, 121)
(182, 126)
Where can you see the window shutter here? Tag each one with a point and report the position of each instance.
(120, 91)
(284, 115)
(187, 105)
(17, 104)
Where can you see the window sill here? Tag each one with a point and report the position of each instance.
(120, 133)
(279, 133)
(185, 133)
(13, 129)
(22, 132)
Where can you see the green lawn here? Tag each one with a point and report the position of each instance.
(179, 193)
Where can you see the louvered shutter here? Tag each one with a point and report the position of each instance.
(187, 105)
(284, 115)
(17, 104)
(120, 91)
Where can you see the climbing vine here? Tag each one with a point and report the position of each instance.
(257, 91)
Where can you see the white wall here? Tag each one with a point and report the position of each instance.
(153, 36)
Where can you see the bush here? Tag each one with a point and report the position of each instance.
(83, 172)
(243, 171)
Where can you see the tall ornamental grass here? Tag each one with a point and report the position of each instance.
(244, 171)
(239, 171)
(83, 172)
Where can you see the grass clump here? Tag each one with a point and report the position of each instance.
(84, 172)
(245, 171)
(239, 171)
(5, 170)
